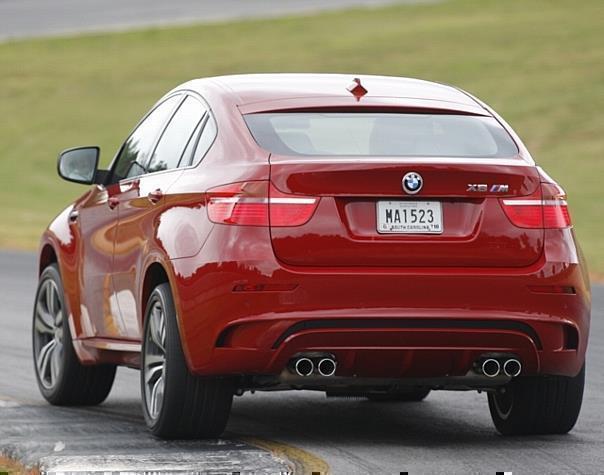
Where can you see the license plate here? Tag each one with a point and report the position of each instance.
(409, 217)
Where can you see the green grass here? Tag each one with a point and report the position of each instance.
(539, 63)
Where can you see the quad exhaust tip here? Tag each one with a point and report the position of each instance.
(491, 367)
(512, 367)
(494, 366)
(327, 367)
(304, 366)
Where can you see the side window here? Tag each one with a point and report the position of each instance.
(135, 152)
(206, 140)
(187, 155)
(178, 133)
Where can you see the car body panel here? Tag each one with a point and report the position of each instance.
(483, 286)
(135, 237)
(100, 314)
(256, 88)
(342, 232)
(248, 321)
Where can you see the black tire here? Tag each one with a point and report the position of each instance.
(538, 405)
(414, 395)
(191, 407)
(62, 379)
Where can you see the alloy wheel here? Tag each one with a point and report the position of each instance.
(48, 334)
(504, 401)
(154, 359)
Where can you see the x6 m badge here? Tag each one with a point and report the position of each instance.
(484, 188)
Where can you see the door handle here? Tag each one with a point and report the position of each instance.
(112, 202)
(73, 216)
(155, 196)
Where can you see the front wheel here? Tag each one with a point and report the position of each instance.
(176, 403)
(62, 379)
(538, 404)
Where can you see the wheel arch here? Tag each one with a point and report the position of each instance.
(48, 256)
(159, 272)
(155, 274)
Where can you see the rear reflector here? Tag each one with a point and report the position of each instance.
(549, 211)
(553, 289)
(258, 203)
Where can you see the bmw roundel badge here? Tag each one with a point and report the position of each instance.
(412, 183)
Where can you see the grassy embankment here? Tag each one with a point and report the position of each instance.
(540, 63)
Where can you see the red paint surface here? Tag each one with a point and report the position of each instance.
(239, 288)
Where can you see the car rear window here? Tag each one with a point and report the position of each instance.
(380, 134)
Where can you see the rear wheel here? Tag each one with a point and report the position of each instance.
(413, 395)
(176, 403)
(538, 405)
(62, 379)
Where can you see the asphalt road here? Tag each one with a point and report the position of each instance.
(29, 18)
(447, 433)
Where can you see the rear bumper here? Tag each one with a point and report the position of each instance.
(378, 323)
(407, 347)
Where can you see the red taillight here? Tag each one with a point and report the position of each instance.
(526, 213)
(258, 203)
(546, 208)
(290, 210)
(555, 207)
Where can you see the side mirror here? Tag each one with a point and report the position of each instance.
(79, 164)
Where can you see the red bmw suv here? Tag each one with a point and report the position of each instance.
(376, 237)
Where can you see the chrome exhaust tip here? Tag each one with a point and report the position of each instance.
(304, 366)
(491, 367)
(327, 367)
(512, 367)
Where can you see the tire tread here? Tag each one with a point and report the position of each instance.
(80, 385)
(194, 407)
(541, 405)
